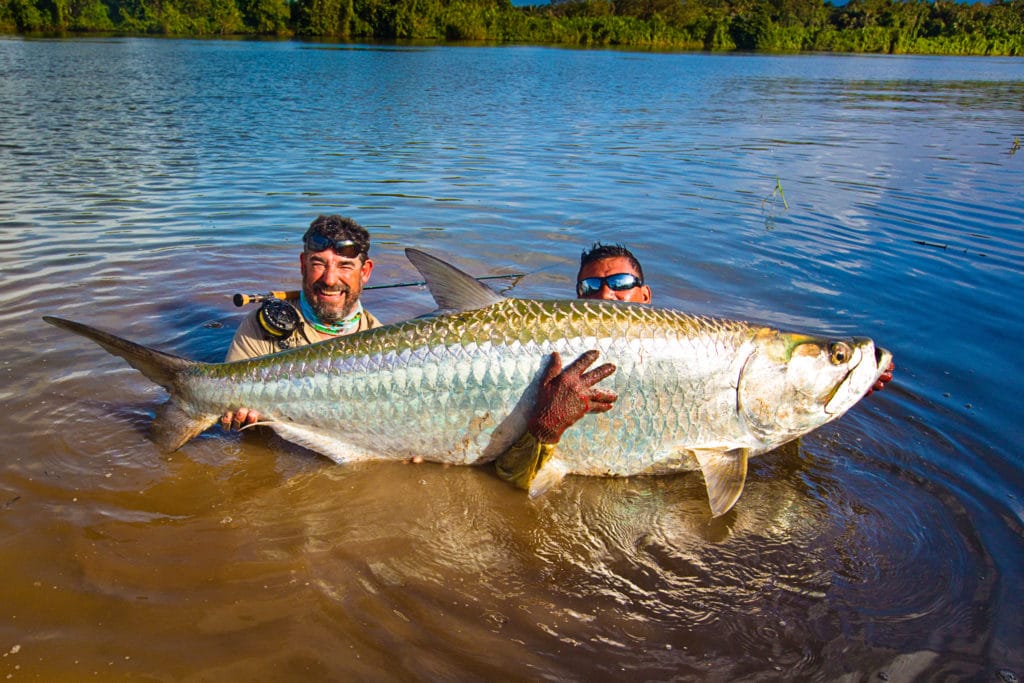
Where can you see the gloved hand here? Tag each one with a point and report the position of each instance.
(883, 379)
(567, 395)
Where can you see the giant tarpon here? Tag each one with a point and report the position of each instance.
(694, 392)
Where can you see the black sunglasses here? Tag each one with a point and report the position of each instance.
(617, 283)
(344, 248)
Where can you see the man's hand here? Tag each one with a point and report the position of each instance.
(567, 395)
(885, 378)
(243, 417)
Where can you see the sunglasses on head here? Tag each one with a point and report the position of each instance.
(617, 283)
(344, 248)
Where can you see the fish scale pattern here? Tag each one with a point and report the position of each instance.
(457, 388)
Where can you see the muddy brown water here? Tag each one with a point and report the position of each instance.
(145, 181)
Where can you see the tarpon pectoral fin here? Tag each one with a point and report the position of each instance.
(725, 472)
(453, 289)
(321, 442)
(530, 465)
(173, 427)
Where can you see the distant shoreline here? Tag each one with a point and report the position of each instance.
(859, 26)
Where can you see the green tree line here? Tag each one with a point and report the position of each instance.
(883, 26)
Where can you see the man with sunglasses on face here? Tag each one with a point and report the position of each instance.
(611, 272)
(607, 271)
(335, 265)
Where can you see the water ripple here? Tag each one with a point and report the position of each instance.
(143, 189)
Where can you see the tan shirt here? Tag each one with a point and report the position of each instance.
(519, 465)
(251, 341)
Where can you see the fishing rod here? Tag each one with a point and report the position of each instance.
(244, 299)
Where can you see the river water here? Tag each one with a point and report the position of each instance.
(144, 181)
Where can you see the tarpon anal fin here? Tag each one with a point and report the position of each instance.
(454, 290)
(725, 472)
(172, 427)
(315, 440)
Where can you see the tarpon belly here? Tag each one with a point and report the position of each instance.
(693, 392)
(457, 389)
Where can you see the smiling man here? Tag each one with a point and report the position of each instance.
(335, 265)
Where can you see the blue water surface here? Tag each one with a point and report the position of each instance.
(143, 181)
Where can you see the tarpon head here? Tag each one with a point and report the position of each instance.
(793, 383)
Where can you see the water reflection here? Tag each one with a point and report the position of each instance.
(140, 192)
(634, 565)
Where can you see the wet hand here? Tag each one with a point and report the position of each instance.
(567, 395)
(243, 417)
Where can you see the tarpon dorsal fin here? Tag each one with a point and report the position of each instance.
(453, 289)
(725, 472)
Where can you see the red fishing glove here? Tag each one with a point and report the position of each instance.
(883, 379)
(567, 395)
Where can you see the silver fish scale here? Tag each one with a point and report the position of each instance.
(447, 388)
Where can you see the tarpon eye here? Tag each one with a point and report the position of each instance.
(839, 353)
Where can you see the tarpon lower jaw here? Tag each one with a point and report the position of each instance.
(872, 364)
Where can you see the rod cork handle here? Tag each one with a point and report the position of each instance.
(244, 299)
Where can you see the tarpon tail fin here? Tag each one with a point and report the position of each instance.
(453, 289)
(172, 427)
(725, 472)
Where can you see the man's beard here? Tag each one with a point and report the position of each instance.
(329, 313)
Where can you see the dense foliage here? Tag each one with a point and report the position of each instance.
(890, 26)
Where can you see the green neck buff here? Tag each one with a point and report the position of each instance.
(347, 326)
